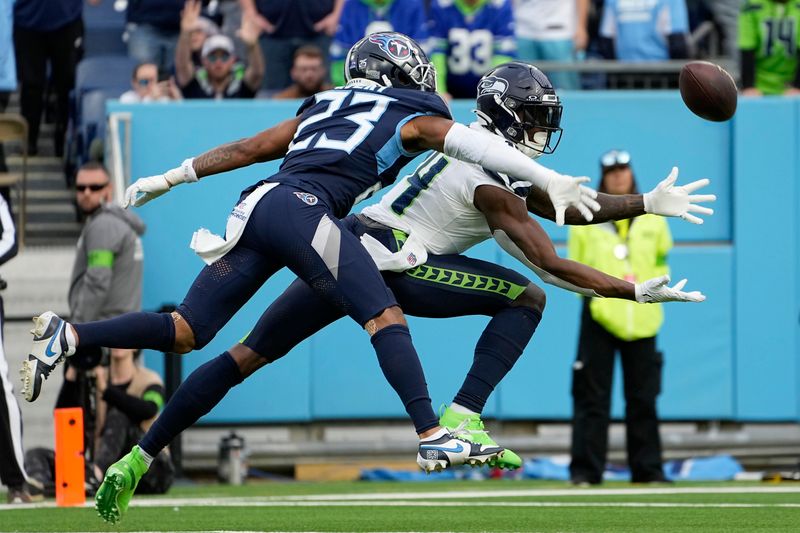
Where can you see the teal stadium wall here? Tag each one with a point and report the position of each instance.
(734, 357)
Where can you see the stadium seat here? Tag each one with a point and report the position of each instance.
(92, 121)
(104, 72)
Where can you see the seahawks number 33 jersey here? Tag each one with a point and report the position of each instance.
(348, 144)
(435, 203)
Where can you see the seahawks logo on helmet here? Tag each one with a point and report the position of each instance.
(396, 48)
(492, 85)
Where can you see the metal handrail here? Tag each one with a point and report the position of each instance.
(117, 155)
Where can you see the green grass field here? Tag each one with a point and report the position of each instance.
(439, 506)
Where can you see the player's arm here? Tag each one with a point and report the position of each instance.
(665, 200)
(522, 237)
(492, 153)
(268, 145)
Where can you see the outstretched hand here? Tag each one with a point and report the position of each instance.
(566, 191)
(670, 201)
(658, 290)
(145, 189)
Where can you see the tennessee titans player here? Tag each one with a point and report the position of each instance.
(344, 144)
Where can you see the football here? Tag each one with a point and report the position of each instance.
(708, 90)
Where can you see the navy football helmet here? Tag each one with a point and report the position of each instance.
(518, 102)
(392, 60)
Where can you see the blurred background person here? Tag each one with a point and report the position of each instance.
(634, 250)
(47, 39)
(128, 398)
(644, 31)
(287, 25)
(470, 37)
(12, 458)
(308, 74)
(769, 46)
(553, 30)
(203, 28)
(221, 76)
(147, 88)
(362, 17)
(152, 29)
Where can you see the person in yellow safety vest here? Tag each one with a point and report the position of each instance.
(636, 250)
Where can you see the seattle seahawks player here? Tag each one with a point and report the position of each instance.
(344, 144)
(442, 209)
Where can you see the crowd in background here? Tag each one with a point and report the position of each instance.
(294, 48)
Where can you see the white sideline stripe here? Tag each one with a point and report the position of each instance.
(543, 492)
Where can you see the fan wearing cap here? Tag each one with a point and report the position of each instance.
(220, 76)
(635, 250)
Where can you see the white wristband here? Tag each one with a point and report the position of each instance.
(182, 174)
(492, 153)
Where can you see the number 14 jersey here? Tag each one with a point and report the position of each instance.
(436, 203)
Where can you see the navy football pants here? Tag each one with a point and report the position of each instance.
(445, 286)
(294, 229)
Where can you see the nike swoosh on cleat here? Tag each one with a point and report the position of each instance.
(458, 449)
(47, 351)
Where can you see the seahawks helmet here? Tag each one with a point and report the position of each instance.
(518, 102)
(392, 60)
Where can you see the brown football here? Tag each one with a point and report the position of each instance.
(708, 90)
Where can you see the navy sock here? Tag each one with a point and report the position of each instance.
(499, 347)
(154, 331)
(400, 364)
(202, 390)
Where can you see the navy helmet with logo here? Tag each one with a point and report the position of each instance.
(391, 59)
(518, 102)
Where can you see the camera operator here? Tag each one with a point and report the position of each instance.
(12, 465)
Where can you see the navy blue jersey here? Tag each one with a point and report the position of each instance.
(348, 144)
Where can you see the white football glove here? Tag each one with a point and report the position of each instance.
(670, 201)
(566, 191)
(657, 290)
(145, 189)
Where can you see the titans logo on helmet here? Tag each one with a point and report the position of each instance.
(492, 85)
(396, 47)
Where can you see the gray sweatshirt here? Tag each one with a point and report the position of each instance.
(107, 274)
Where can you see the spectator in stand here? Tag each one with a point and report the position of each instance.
(362, 17)
(470, 37)
(308, 74)
(644, 31)
(553, 30)
(769, 43)
(153, 27)
(147, 88)
(202, 30)
(287, 25)
(220, 76)
(47, 34)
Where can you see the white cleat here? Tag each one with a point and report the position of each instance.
(49, 348)
(447, 451)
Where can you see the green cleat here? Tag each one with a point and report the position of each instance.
(114, 495)
(470, 427)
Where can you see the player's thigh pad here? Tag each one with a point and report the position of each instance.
(456, 285)
(301, 231)
(222, 288)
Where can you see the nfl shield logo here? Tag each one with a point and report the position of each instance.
(308, 198)
(412, 259)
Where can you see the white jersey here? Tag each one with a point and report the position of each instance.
(435, 204)
(545, 20)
